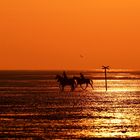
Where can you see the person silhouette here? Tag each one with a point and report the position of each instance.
(64, 75)
(82, 76)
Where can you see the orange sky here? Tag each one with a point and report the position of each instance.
(52, 34)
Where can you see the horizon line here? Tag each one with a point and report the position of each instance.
(111, 69)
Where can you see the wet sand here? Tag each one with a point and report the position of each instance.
(35, 109)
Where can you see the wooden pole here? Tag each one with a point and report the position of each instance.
(105, 68)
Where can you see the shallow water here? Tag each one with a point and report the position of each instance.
(32, 106)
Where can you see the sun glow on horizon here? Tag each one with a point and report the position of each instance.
(69, 34)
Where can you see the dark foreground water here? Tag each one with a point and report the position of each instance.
(33, 108)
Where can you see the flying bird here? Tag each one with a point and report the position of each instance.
(81, 56)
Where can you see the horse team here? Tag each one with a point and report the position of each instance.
(73, 82)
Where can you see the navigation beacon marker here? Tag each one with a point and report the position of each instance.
(105, 68)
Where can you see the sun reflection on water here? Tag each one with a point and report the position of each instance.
(117, 115)
(79, 114)
(116, 85)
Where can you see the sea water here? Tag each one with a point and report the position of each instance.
(32, 106)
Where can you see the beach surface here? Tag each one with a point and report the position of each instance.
(32, 107)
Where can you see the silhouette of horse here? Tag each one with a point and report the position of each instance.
(65, 82)
(80, 81)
